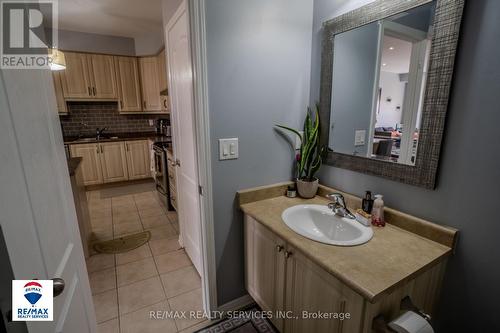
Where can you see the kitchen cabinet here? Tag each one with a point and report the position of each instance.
(62, 108)
(150, 85)
(138, 159)
(91, 164)
(129, 91)
(103, 76)
(89, 76)
(113, 162)
(76, 81)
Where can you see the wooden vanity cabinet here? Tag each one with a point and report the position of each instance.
(265, 267)
(282, 280)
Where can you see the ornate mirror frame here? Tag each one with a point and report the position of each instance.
(448, 15)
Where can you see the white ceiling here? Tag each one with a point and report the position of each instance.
(125, 18)
(396, 60)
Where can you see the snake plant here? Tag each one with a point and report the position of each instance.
(309, 156)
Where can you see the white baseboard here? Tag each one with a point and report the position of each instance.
(236, 304)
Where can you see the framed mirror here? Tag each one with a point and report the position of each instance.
(386, 74)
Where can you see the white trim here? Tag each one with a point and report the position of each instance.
(237, 304)
(202, 128)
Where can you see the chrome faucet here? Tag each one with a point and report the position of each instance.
(338, 205)
(99, 132)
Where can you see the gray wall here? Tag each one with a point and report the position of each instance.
(468, 189)
(354, 67)
(86, 42)
(258, 75)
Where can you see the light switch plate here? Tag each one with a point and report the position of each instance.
(359, 138)
(228, 149)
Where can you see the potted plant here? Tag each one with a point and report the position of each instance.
(309, 157)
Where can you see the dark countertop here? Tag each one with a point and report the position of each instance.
(73, 164)
(108, 137)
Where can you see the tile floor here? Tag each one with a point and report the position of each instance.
(157, 276)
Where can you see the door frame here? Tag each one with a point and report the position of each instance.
(195, 10)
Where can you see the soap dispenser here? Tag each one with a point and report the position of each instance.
(378, 211)
(367, 203)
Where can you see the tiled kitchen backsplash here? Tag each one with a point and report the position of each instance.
(85, 117)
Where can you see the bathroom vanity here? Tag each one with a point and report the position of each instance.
(288, 274)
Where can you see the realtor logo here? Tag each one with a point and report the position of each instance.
(29, 30)
(32, 300)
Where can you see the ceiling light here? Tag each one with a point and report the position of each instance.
(391, 48)
(57, 60)
(384, 64)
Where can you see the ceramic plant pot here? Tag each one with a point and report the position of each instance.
(307, 189)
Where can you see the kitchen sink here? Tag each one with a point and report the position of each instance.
(319, 223)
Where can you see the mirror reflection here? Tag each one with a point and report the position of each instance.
(378, 85)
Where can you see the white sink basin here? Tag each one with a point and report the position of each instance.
(319, 223)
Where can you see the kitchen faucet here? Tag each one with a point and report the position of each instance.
(338, 205)
(99, 132)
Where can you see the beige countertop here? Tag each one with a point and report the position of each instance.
(392, 257)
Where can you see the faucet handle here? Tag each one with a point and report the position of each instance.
(337, 197)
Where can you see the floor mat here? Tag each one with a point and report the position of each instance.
(250, 322)
(122, 244)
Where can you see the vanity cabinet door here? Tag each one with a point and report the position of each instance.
(91, 164)
(113, 162)
(309, 288)
(265, 267)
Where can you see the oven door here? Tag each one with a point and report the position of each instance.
(160, 171)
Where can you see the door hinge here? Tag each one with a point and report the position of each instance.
(200, 190)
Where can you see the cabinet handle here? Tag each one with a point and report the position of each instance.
(279, 248)
(288, 254)
(144, 104)
(121, 104)
(102, 152)
(90, 91)
(94, 90)
(97, 149)
(126, 146)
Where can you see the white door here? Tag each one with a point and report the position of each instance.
(181, 87)
(37, 211)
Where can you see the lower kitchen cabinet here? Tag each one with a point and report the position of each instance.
(285, 282)
(91, 164)
(138, 159)
(113, 162)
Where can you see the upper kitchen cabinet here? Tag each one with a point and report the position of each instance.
(76, 81)
(89, 76)
(61, 103)
(129, 91)
(150, 84)
(103, 76)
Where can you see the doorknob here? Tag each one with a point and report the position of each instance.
(59, 285)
